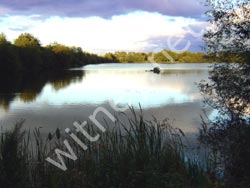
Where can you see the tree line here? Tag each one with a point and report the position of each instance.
(26, 54)
(167, 56)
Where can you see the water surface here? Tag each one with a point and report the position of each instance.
(52, 101)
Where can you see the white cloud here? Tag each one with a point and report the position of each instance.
(124, 32)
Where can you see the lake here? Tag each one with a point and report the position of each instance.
(56, 101)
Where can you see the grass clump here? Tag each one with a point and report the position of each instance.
(135, 153)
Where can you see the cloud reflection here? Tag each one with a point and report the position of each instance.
(126, 87)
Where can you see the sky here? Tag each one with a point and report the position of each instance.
(101, 26)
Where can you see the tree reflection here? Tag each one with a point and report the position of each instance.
(182, 71)
(5, 100)
(27, 87)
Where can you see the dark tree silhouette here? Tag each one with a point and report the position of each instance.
(9, 61)
(27, 55)
(228, 90)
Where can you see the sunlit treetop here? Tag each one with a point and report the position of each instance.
(3, 39)
(27, 40)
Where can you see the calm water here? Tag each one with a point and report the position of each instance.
(51, 101)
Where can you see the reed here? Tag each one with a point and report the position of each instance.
(133, 154)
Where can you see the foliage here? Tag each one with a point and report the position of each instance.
(27, 40)
(9, 61)
(228, 90)
(3, 39)
(27, 55)
(166, 56)
(230, 31)
(12, 161)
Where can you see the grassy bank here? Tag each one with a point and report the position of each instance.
(135, 154)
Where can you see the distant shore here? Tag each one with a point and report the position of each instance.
(27, 55)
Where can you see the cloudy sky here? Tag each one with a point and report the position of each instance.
(108, 25)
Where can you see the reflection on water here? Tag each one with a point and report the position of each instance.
(26, 88)
(57, 100)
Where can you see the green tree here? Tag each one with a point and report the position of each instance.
(111, 57)
(63, 54)
(9, 61)
(29, 52)
(27, 40)
(161, 58)
(121, 56)
(3, 39)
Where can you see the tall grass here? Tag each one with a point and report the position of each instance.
(134, 154)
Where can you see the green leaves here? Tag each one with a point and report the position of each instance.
(27, 40)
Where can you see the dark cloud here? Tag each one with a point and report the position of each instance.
(105, 8)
